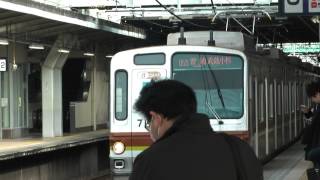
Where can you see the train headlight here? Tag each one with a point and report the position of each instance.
(118, 147)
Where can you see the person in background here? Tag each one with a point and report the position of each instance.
(307, 112)
(311, 135)
(185, 146)
(307, 131)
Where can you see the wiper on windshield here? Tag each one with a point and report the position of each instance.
(217, 84)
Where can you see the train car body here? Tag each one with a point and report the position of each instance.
(249, 94)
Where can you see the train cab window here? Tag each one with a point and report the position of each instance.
(121, 95)
(217, 80)
(149, 59)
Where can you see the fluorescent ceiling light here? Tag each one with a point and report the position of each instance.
(61, 50)
(109, 56)
(36, 46)
(4, 42)
(88, 54)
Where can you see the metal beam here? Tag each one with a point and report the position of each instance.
(33, 25)
(53, 30)
(16, 19)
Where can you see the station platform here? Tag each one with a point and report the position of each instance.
(289, 165)
(15, 148)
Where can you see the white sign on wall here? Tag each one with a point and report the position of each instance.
(3, 65)
(314, 6)
(293, 6)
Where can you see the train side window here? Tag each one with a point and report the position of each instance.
(280, 89)
(262, 102)
(275, 98)
(271, 105)
(252, 107)
(286, 108)
(290, 97)
(149, 59)
(293, 100)
(294, 97)
(300, 96)
(279, 98)
(121, 95)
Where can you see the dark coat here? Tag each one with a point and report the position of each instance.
(309, 134)
(190, 150)
(315, 130)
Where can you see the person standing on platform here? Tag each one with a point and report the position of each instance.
(307, 132)
(185, 146)
(311, 135)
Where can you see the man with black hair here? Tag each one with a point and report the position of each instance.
(185, 146)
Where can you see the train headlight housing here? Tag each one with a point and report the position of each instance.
(118, 147)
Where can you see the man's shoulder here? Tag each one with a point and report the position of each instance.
(243, 145)
(149, 152)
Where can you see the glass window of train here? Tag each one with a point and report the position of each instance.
(262, 102)
(279, 96)
(271, 100)
(253, 109)
(290, 97)
(121, 95)
(299, 95)
(294, 97)
(284, 103)
(275, 100)
(149, 59)
(256, 102)
(203, 71)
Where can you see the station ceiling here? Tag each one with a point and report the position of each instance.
(288, 30)
(271, 25)
(32, 22)
(30, 27)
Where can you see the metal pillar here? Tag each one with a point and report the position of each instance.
(52, 107)
(1, 115)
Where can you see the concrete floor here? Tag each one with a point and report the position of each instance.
(289, 165)
(13, 148)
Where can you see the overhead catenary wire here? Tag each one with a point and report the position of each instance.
(213, 6)
(183, 20)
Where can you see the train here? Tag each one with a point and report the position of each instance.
(247, 91)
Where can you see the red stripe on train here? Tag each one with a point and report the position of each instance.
(131, 139)
(143, 139)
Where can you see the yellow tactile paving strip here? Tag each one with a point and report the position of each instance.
(10, 149)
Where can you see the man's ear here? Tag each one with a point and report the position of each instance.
(156, 117)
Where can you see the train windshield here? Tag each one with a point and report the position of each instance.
(217, 80)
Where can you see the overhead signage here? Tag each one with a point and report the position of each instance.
(195, 61)
(3, 65)
(293, 6)
(314, 6)
(300, 6)
(300, 47)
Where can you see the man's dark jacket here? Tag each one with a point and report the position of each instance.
(314, 131)
(190, 150)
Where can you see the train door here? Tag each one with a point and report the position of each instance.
(141, 77)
